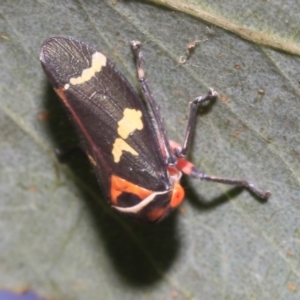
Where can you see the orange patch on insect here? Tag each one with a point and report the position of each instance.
(120, 185)
(156, 214)
(185, 166)
(177, 195)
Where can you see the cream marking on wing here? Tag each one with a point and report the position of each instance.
(91, 159)
(98, 61)
(130, 122)
(119, 146)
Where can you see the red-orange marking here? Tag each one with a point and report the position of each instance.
(156, 214)
(184, 166)
(177, 196)
(120, 185)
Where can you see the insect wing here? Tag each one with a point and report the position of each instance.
(115, 127)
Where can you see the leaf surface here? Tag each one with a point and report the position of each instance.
(58, 236)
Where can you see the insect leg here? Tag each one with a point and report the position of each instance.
(153, 109)
(182, 151)
(189, 169)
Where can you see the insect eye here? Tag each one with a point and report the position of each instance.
(177, 196)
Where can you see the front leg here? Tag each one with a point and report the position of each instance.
(153, 109)
(189, 169)
(189, 133)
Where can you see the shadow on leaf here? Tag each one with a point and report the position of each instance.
(141, 253)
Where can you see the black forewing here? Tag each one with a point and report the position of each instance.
(96, 106)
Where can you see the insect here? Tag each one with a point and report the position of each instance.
(138, 168)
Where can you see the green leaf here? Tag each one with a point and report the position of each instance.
(60, 238)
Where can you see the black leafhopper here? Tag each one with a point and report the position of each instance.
(124, 137)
